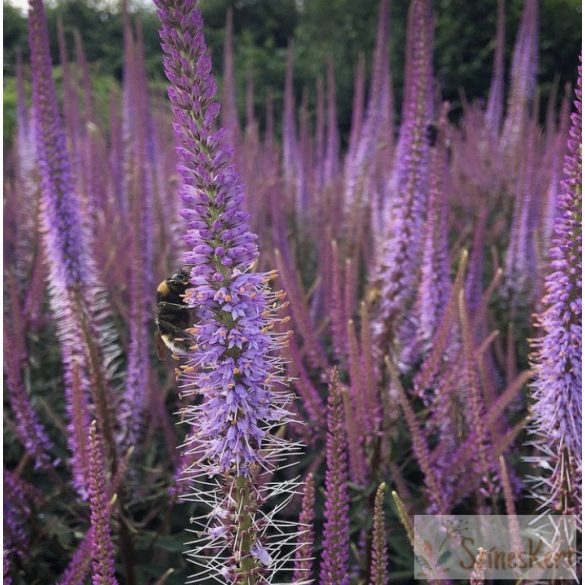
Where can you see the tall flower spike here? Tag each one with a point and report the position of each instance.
(521, 261)
(357, 108)
(379, 563)
(30, 430)
(102, 549)
(359, 158)
(335, 556)
(25, 212)
(420, 447)
(19, 499)
(76, 295)
(304, 555)
(522, 76)
(332, 151)
(556, 408)
(290, 147)
(397, 269)
(319, 138)
(435, 284)
(232, 364)
(80, 564)
(495, 105)
(140, 257)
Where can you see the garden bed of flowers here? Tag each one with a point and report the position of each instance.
(359, 333)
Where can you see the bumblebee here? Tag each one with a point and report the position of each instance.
(172, 316)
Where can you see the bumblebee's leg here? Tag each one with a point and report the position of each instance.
(177, 340)
(161, 348)
(165, 304)
(171, 329)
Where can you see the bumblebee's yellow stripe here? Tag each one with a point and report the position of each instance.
(163, 288)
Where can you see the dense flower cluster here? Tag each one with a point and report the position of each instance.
(401, 245)
(335, 557)
(102, 549)
(88, 345)
(557, 390)
(379, 565)
(413, 263)
(232, 364)
(304, 555)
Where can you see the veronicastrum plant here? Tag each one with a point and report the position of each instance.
(233, 368)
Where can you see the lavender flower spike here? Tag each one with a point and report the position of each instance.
(102, 552)
(65, 244)
(80, 564)
(556, 409)
(335, 558)
(399, 258)
(379, 563)
(87, 337)
(304, 555)
(435, 284)
(30, 429)
(231, 364)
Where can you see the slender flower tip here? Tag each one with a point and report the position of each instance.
(379, 560)
(463, 259)
(404, 516)
(103, 560)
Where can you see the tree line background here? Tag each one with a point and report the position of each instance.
(322, 30)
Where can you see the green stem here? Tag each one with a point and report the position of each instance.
(245, 535)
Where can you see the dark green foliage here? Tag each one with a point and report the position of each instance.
(322, 29)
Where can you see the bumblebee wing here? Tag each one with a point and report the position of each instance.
(161, 348)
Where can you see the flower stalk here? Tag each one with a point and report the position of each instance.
(232, 363)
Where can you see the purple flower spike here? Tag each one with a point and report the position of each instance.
(232, 364)
(102, 549)
(304, 556)
(358, 163)
(65, 244)
(495, 105)
(62, 210)
(139, 179)
(19, 499)
(397, 270)
(556, 408)
(357, 109)
(379, 564)
(522, 76)
(290, 154)
(435, 284)
(30, 429)
(335, 556)
(521, 258)
(332, 152)
(79, 566)
(84, 325)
